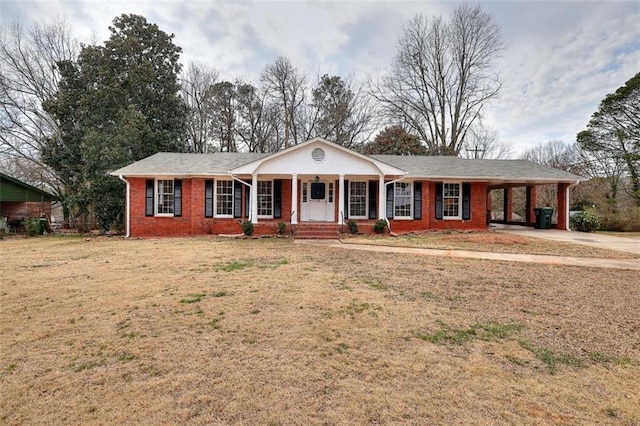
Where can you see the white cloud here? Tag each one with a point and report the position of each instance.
(562, 57)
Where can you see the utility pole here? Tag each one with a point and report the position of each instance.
(475, 152)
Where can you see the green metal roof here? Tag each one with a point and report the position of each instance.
(12, 189)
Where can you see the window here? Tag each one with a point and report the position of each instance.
(164, 197)
(224, 198)
(451, 199)
(331, 192)
(265, 198)
(304, 192)
(358, 199)
(402, 200)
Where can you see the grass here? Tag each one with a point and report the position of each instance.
(489, 241)
(308, 335)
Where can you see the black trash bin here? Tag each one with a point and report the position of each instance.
(42, 226)
(543, 217)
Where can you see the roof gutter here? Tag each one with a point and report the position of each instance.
(250, 187)
(567, 206)
(127, 211)
(385, 191)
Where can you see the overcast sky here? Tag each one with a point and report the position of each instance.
(561, 59)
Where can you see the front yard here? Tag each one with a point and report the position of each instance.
(214, 331)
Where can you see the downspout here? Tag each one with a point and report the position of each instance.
(567, 206)
(127, 211)
(385, 204)
(250, 187)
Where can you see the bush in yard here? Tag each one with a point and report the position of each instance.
(380, 226)
(353, 227)
(247, 228)
(32, 226)
(585, 221)
(281, 228)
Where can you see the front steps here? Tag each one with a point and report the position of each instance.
(318, 231)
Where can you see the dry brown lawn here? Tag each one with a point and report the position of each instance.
(265, 332)
(488, 241)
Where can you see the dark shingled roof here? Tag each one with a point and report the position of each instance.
(176, 164)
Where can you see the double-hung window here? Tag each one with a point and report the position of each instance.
(451, 200)
(265, 198)
(164, 197)
(402, 200)
(224, 198)
(358, 199)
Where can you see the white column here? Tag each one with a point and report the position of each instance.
(341, 200)
(254, 198)
(382, 198)
(294, 199)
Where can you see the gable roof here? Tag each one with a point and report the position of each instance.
(424, 167)
(296, 152)
(14, 190)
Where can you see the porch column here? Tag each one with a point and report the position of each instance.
(382, 198)
(254, 198)
(508, 204)
(341, 200)
(294, 199)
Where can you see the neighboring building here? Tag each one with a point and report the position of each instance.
(19, 201)
(322, 182)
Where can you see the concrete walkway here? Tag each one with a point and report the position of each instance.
(611, 242)
(508, 257)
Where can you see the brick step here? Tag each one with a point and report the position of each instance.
(317, 231)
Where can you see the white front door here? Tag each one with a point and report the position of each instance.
(318, 201)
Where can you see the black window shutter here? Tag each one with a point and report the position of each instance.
(177, 197)
(346, 199)
(466, 201)
(247, 200)
(373, 199)
(148, 205)
(237, 199)
(439, 206)
(277, 199)
(208, 198)
(390, 200)
(417, 200)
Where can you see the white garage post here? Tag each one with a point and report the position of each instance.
(254, 198)
(382, 198)
(341, 200)
(294, 199)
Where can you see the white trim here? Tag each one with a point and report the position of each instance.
(156, 198)
(366, 199)
(127, 207)
(460, 196)
(215, 199)
(294, 200)
(410, 217)
(266, 216)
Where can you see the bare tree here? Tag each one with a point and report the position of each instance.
(28, 77)
(340, 111)
(285, 86)
(224, 115)
(482, 142)
(258, 121)
(442, 77)
(196, 91)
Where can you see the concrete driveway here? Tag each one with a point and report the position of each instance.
(625, 244)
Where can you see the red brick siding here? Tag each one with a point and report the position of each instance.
(193, 222)
(19, 210)
(562, 205)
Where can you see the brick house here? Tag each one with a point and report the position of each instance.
(319, 182)
(19, 201)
